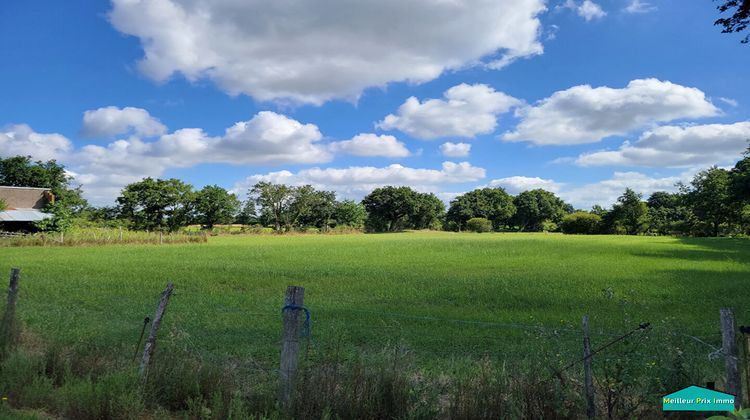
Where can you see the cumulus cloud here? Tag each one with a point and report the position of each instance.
(518, 184)
(449, 149)
(22, 140)
(583, 114)
(674, 146)
(268, 138)
(112, 121)
(367, 144)
(311, 52)
(357, 181)
(465, 111)
(638, 6)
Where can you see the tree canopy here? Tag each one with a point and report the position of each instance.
(739, 18)
(493, 204)
(156, 204)
(214, 205)
(21, 171)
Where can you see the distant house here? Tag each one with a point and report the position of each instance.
(24, 207)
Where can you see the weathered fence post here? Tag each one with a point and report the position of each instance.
(161, 238)
(293, 301)
(148, 348)
(731, 359)
(588, 377)
(120, 233)
(8, 325)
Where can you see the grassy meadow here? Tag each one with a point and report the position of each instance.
(444, 296)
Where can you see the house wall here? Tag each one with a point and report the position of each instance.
(25, 198)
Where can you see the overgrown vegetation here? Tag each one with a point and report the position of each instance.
(100, 236)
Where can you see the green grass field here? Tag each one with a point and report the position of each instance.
(369, 291)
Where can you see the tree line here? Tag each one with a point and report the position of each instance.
(716, 202)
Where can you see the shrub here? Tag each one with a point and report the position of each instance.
(581, 222)
(3, 204)
(479, 225)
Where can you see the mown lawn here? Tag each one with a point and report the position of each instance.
(370, 291)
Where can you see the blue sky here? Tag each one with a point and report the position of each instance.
(580, 97)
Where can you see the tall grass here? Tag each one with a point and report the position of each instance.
(383, 385)
(100, 236)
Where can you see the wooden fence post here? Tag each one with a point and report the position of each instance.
(8, 325)
(295, 296)
(731, 355)
(588, 377)
(148, 348)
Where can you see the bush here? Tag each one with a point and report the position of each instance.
(3, 204)
(479, 225)
(581, 222)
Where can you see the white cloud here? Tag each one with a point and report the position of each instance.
(22, 140)
(606, 192)
(357, 181)
(449, 149)
(367, 144)
(590, 10)
(268, 138)
(518, 184)
(729, 101)
(586, 9)
(583, 114)
(112, 121)
(638, 6)
(311, 51)
(673, 146)
(466, 111)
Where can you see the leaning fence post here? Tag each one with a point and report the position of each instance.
(294, 298)
(588, 378)
(8, 325)
(731, 359)
(148, 348)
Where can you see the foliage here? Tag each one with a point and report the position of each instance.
(535, 207)
(629, 214)
(349, 213)
(313, 208)
(247, 214)
(156, 204)
(389, 208)
(740, 179)
(21, 171)
(214, 205)
(739, 20)
(428, 212)
(709, 198)
(493, 204)
(3, 204)
(61, 219)
(479, 225)
(668, 213)
(581, 222)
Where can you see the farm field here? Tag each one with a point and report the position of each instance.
(444, 296)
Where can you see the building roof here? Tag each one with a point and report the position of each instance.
(23, 188)
(23, 215)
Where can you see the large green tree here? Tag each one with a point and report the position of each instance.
(274, 201)
(313, 208)
(156, 204)
(740, 179)
(668, 213)
(708, 195)
(389, 208)
(22, 171)
(535, 207)
(214, 205)
(493, 204)
(630, 213)
(428, 212)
